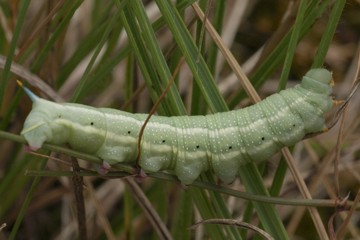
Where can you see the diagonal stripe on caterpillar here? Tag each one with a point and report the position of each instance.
(187, 145)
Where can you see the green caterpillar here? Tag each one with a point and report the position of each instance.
(187, 145)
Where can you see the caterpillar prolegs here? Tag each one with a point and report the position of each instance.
(187, 145)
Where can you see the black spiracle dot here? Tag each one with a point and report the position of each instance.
(230, 147)
(129, 132)
(294, 125)
(92, 123)
(263, 138)
(163, 140)
(197, 146)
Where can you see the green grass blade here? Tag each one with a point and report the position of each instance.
(11, 52)
(276, 57)
(26, 203)
(103, 40)
(193, 57)
(330, 31)
(68, 14)
(295, 34)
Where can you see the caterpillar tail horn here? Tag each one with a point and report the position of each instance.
(28, 92)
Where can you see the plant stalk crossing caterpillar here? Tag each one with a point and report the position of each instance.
(187, 145)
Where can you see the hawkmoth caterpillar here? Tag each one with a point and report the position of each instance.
(187, 145)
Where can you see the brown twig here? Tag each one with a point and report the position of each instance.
(340, 233)
(149, 210)
(237, 223)
(155, 107)
(78, 183)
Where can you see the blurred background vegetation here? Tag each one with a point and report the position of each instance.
(122, 54)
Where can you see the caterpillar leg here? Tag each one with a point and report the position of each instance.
(29, 148)
(140, 174)
(104, 168)
(338, 102)
(325, 129)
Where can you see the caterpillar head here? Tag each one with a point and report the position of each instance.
(318, 80)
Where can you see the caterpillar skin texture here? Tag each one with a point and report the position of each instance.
(187, 145)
